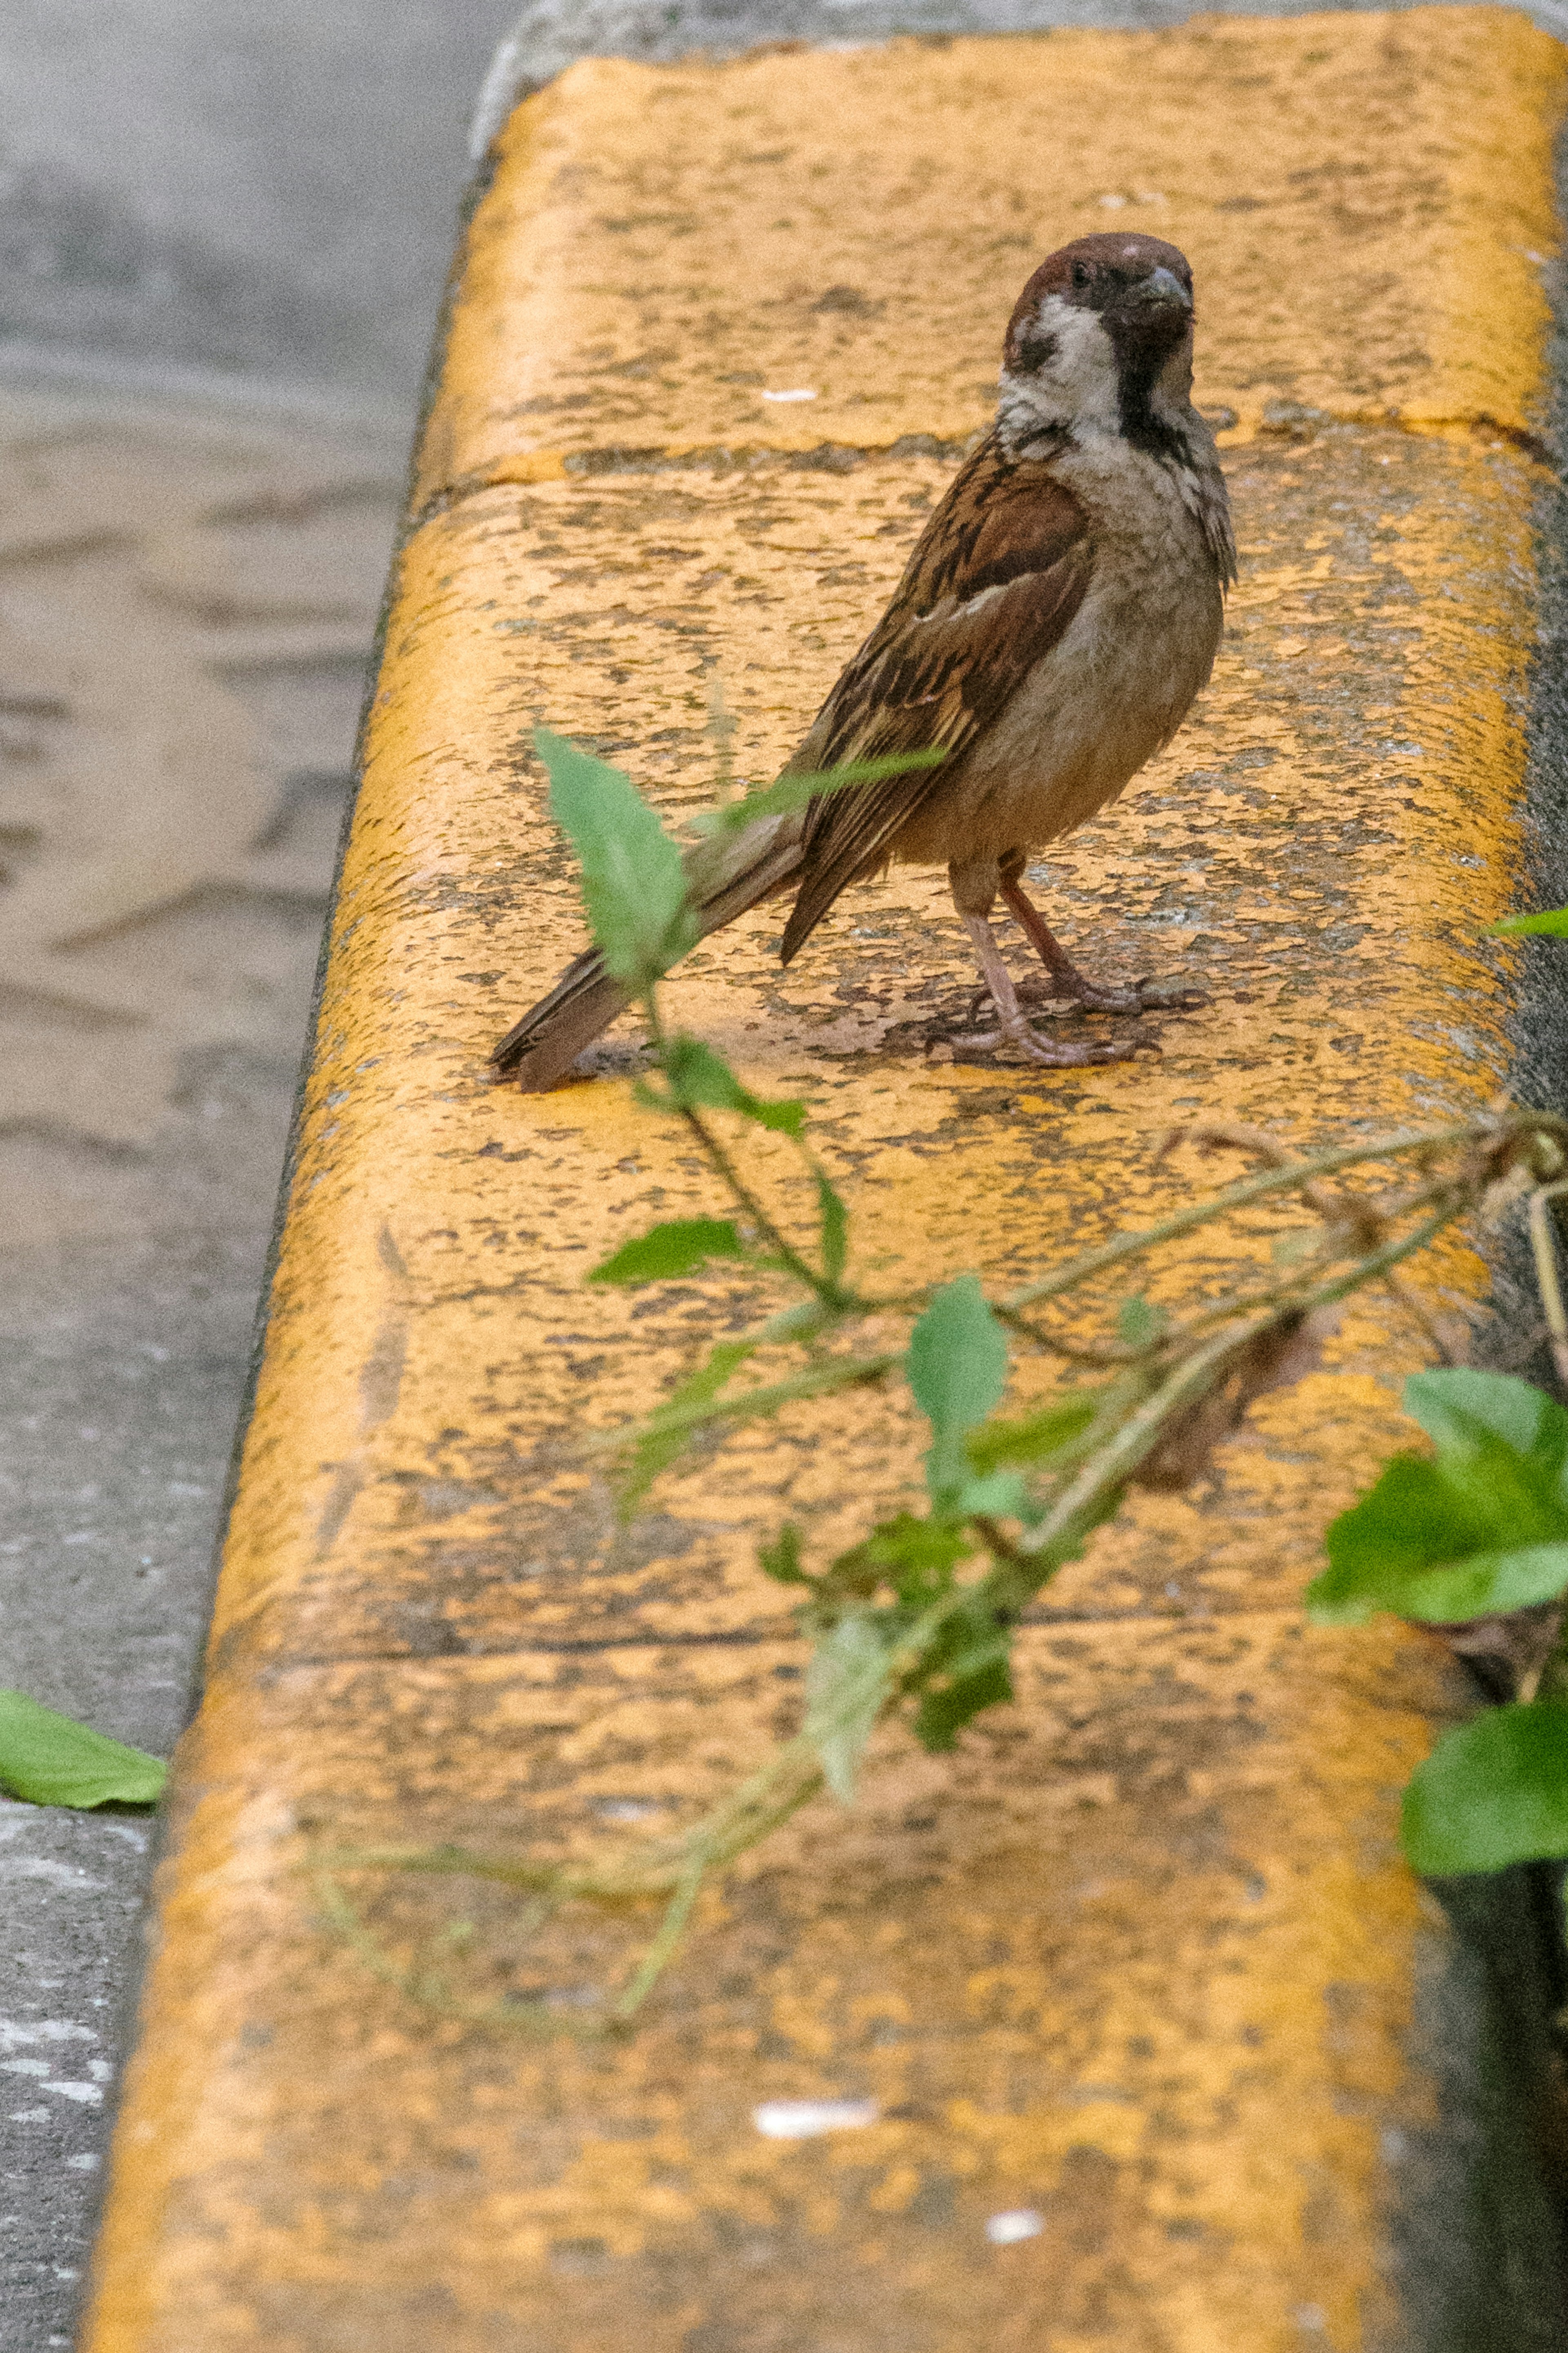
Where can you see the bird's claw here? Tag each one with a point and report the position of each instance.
(1168, 996)
(1050, 1053)
(1143, 996)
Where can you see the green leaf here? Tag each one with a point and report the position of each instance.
(794, 791)
(1492, 1793)
(633, 885)
(673, 1248)
(957, 1367)
(1552, 924)
(1465, 1411)
(970, 1663)
(916, 1556)
(943, 1714)
(780, 1560)
(51, 1761)
(656, 1452)
(1141, 1323)
(835, 1229)
(1485, 1585)
(997, 1495)
(846, 1685)
(1038, 1438)
(699, 1077)
(1483, 1528)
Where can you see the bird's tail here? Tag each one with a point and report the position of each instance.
(725, 875)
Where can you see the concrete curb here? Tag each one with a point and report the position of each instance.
(1143, 1961)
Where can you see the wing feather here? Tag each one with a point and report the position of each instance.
(992, 585)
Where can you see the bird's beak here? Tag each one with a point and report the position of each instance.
(1162, 290)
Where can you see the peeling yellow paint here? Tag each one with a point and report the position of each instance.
(1366, 201)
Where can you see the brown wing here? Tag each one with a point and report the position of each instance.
(998, 574)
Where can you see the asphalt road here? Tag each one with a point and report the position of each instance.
(222, 234)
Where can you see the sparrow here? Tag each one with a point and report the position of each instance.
(1060, 612)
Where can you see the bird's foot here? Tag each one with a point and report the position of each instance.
(1051, 1053)
(1144, 996)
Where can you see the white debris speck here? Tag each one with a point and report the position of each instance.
(804, 2119)
(803, 392)
(88, 2095)
(82, 2164)
(1018, 2223)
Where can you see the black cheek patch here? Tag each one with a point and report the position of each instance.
(1035, 349)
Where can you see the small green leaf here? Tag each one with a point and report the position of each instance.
(916, 1556)
(943, 1714)
(1493, 1793)
(835, 1229)
(673, 1248)
(994, 1495)
(971, 1669)
(1483, 1528)
(1038, 1438)
(794, 791)
(633, 885)
(1552, 926)
(846, 1685)
(957, 1367)
(780, 1560)
(51, 1761)
(700, 1077)
(656, 1452)
(1141, 1323)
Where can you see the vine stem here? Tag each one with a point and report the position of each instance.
(718, 1159)
(1548, 1281)
(1248, 1189)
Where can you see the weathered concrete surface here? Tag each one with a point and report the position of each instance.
(1145, 1958)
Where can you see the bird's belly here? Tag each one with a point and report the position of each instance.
(1104, 701)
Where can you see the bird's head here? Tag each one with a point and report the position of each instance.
(1102, 337)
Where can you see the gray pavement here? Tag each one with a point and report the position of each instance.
(187, 598)
(223, 234)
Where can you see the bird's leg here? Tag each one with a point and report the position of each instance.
(1014, 1030)
(1143, 997)
(973, 886)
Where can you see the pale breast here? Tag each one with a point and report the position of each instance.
(1113, 691)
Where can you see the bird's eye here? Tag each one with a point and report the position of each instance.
(1081, 273)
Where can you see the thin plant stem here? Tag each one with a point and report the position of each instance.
(1548, 1281)
(718, 1159)
(843, 1372)
(1248, 1189)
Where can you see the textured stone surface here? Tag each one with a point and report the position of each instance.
(1143, 1958)
(1366, 205)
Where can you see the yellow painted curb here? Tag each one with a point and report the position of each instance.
(1142, 1959)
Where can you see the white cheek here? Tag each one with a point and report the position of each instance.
(1080, 380)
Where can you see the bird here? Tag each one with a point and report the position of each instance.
(1059, 616)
